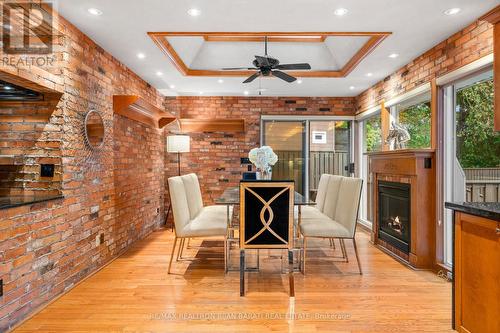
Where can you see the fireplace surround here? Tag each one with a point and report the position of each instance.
(404, 183)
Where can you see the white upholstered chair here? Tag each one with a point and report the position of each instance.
(191, 218)
(335, 214)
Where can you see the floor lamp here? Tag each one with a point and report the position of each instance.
(177, 144)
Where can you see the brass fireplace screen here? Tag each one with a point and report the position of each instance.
(266, 214)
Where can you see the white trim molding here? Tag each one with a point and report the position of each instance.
(368, 113)
(301, 117)
(465, 70)
(409, 94)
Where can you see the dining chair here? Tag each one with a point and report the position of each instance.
(266, 221)
(191, 218)
(338, 217)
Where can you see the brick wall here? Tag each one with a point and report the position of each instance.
(47, 248)
(473, 42)
(215, 157)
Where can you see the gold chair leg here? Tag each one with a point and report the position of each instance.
(172, 255)
(344, 251)
(225, 255)
(181, 247)
(357, 256)
(304, 261)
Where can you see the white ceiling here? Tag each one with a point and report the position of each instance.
(122, 30)
(333, 54)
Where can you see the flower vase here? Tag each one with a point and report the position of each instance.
(264, 174)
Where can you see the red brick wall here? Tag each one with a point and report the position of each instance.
(462, 48)
(45, 249)
(215, 157)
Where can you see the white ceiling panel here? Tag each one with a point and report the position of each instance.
(416, 26)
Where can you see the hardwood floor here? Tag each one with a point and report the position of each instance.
(135, 294)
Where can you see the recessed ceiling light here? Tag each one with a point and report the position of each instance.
(246, 92)
(340, 11)
(159, 73)
(172, 86)
(194, 12)
(352, 87)
(369, 74)
(299, 81)
(7, 88)
(393, 55)
(220, 80)
(95, 11)
(141, 55)
(452, 11)
(201, 92)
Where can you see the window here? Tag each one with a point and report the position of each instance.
(372, 134)
(319, 137)
(415, 115)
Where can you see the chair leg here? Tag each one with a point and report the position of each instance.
(357, 256)
(181, 247)
(188, 245)
(305, 252)
(344, 251)
(225, 255)
(290, 274)
(242, 272)
(172, 254)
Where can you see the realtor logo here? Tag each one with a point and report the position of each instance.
(27, 28)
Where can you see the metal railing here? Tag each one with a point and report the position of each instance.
(290, 166)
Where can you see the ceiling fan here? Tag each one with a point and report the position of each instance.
(269, 66)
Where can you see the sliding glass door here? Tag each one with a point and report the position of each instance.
(471, 147)
(287, 138)
(308, 148)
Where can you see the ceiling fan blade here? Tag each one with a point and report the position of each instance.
(284, 76)
(251, 78)
(293, 66)
(239, 68)
(262, 61)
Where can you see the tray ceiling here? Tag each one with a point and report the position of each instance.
(122, 29)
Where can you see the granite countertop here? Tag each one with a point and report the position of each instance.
(16, 201)
(489, 210)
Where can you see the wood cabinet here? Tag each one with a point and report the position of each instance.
(476, 274)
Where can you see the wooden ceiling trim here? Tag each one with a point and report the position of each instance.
(304, 39)
(368, 48)
(161, 41)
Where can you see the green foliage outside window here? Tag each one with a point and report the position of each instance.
(417, 120)
(373, 134)
(478, 145)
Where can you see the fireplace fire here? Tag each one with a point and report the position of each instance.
(394, 214)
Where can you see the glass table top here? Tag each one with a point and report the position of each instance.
(231, 196)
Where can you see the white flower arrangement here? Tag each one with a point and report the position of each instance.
(263, 157)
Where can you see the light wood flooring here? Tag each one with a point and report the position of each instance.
(135, 294)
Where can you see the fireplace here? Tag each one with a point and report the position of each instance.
(394, 218)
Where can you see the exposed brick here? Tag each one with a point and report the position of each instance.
(451, 54)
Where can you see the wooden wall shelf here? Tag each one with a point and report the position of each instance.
(212, 125)
(136, 108)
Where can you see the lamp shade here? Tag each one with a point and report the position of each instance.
(178, 144)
